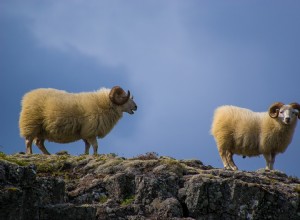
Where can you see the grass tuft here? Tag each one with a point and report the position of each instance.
(127, 201)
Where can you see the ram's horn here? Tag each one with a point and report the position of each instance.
(118, 96)
(295, 105)
(274, 109)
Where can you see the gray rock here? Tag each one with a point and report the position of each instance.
(107, 187)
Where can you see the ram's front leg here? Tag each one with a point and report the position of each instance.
(87, 147)
(270, 160)
(28, 142)
(273, 155)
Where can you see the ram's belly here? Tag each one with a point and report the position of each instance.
(252, 151)
(63, 140)
(63, 137)
(247, 145)
(62, 130)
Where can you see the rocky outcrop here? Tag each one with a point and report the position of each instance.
(145, 187)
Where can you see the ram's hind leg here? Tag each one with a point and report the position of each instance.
(230, 161)
(223, 155)
(40, 144)
(28, 142)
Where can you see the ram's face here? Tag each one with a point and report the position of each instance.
(287, 114)
(129, 106)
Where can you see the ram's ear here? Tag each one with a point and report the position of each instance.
(296, 106)
(298, 114)
(274, 109)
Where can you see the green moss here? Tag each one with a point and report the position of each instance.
(80, 158)
(49, 168)
(12, 189)
(44, 168)
(174, 165)
(63, 157)
(20, 162)
(100, 160)
(103, 199)
(13, 159)
(170, 161)
(101, 157)
(127, 201)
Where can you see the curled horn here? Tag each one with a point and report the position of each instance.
(274, 109)
(118, 96)
(295, 105)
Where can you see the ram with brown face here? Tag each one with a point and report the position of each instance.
(62, 117)
(244, 132)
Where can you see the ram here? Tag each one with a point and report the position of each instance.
(244, 132)
(62, 117)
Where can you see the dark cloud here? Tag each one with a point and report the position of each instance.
(180, 60)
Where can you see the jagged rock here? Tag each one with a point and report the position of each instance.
(22, 193)
(146, 187)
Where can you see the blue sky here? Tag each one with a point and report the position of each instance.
(180, 60)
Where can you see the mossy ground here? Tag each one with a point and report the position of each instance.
(128, 184)
(12, 159)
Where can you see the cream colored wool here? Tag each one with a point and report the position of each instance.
(62, 117)
(244, 132)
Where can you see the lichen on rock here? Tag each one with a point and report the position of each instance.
(145, 187)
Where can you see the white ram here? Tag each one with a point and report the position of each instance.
(62, 117)
(244, 132)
